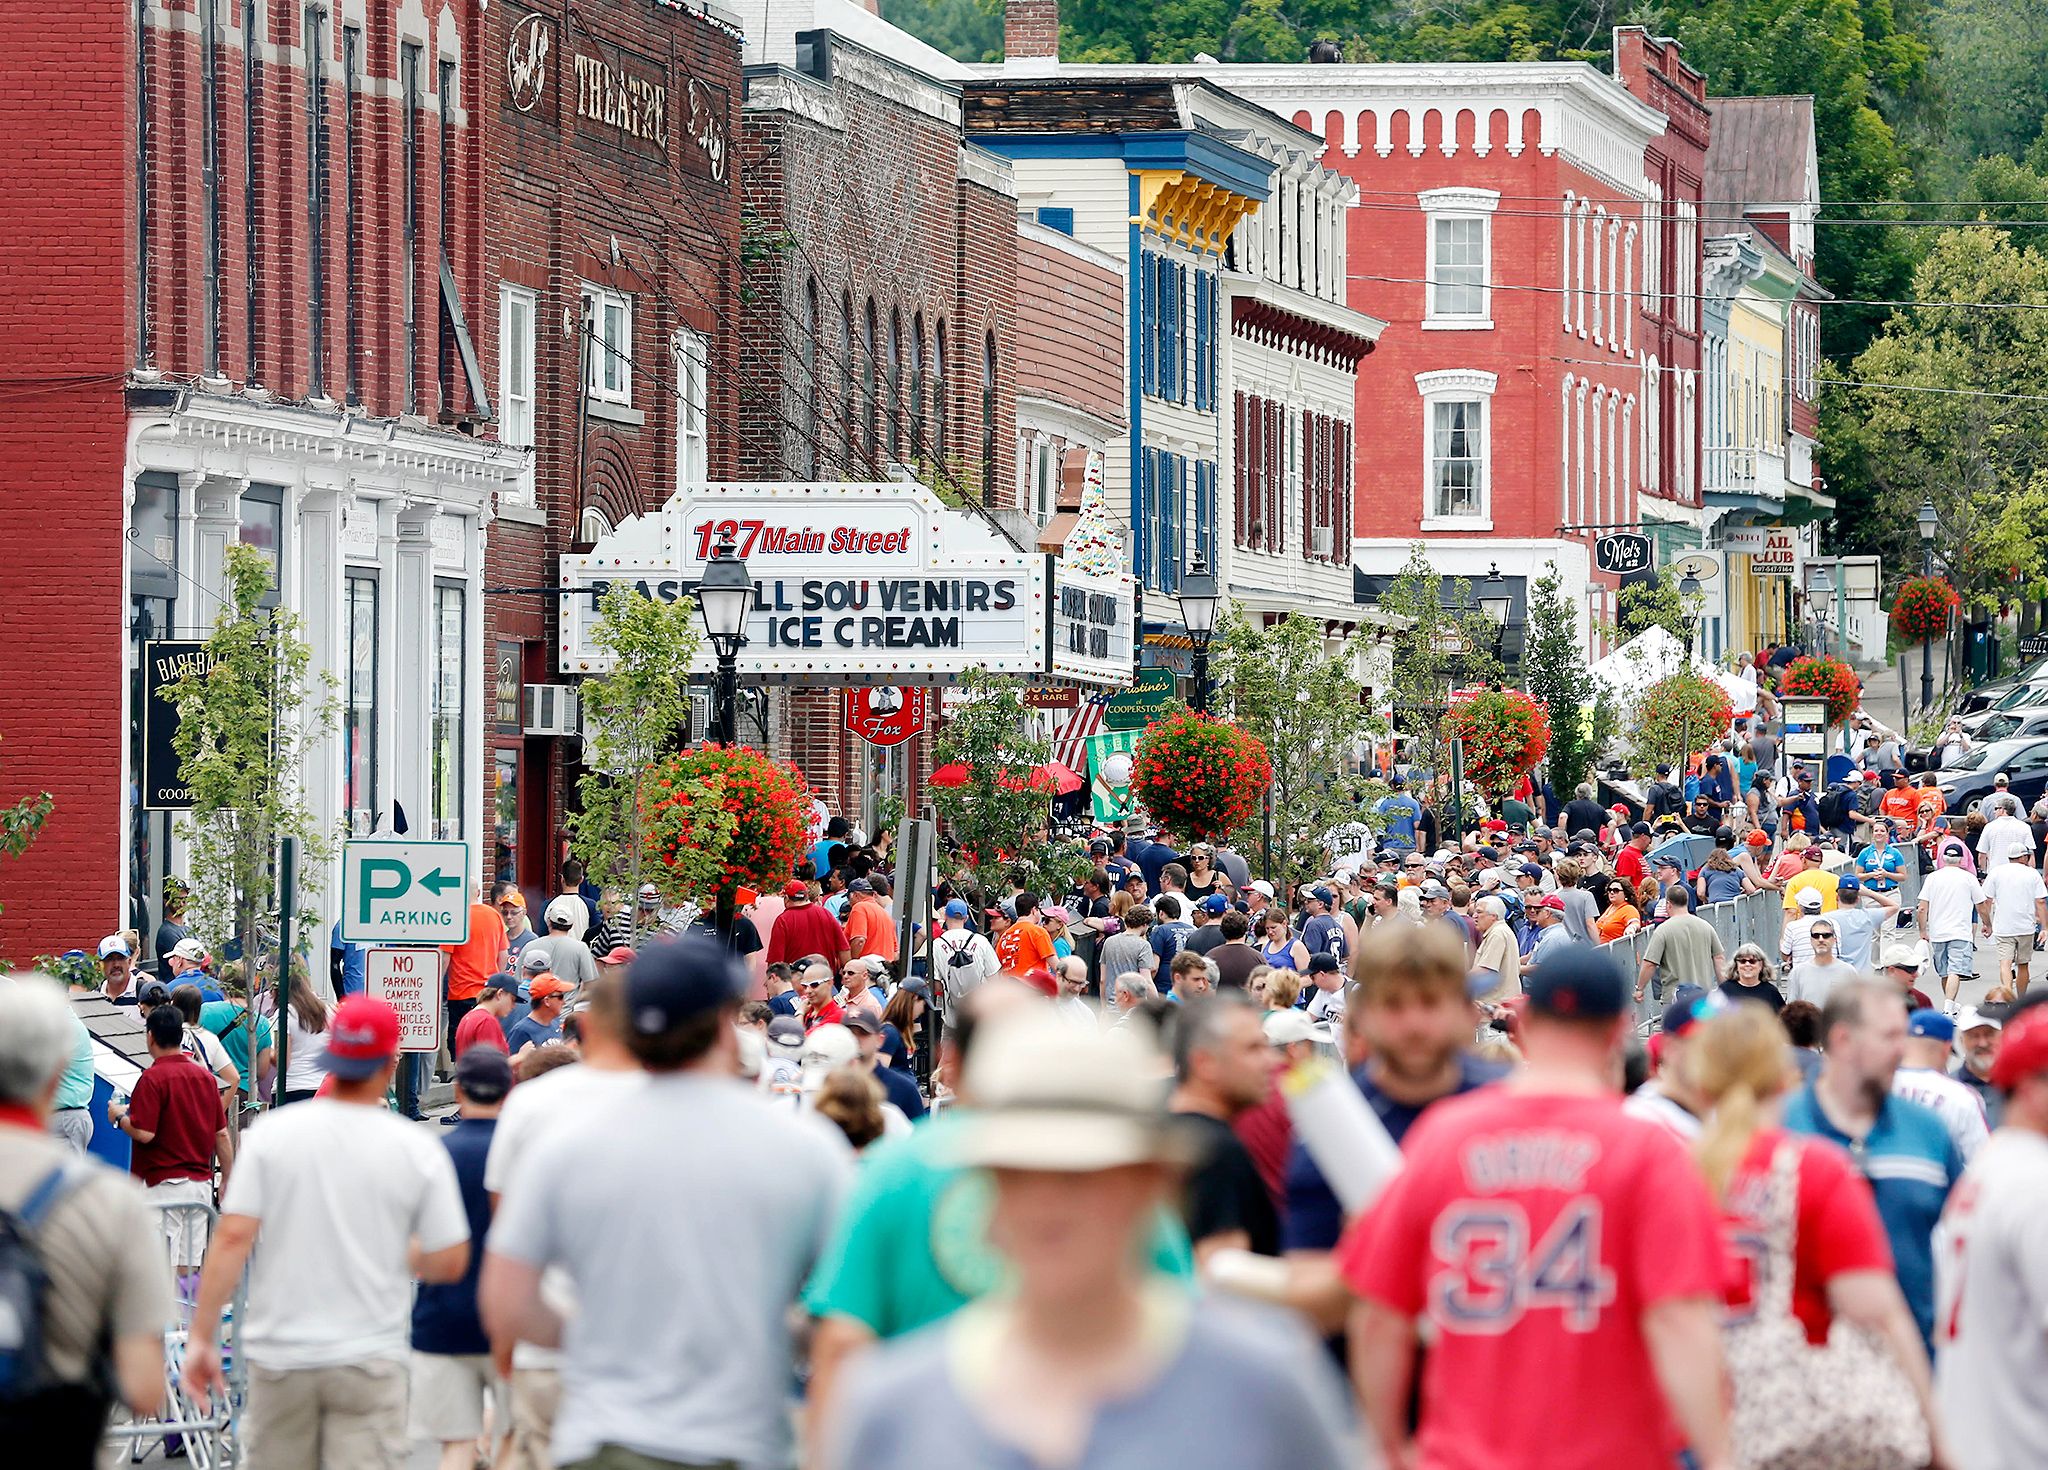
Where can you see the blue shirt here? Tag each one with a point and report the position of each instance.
(526, 1029)
(1152, 860)
(1401, 813)
(444, 1317)
(1911, 1163)
(352, 956)
(1322, 934)
(1880, 865)
(900, 1088)
(74, 1087)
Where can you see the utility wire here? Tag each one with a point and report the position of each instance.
(1636, 291)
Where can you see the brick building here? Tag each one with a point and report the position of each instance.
(242, 313)
(1070, 365)
(879, 326)
(613, 338)
(1534, 249)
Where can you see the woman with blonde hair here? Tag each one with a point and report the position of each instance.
(1283, 989)
(1792, 1206)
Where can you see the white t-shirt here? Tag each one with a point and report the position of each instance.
(1794, 944)
(205, 1048)
(2000, 837)
(303, 1052)
(1991, 1307)
(2013, 889)
(1326, 1005)
(341, 1189)
(534, 1110)
(1955, 1103)
(1951, 896)
(1649, 1103)
(1814, 981)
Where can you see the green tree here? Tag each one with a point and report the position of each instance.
(1981, 459)
(997, 815)
(244, 725)
(20, 823)
(1444, 642)
(1672, 718)
(635, 714)
(1288, 687)
(1554, 671)
(1644, 605)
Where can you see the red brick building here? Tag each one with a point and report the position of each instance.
(612, 340)
(247, 268)
(879, 326)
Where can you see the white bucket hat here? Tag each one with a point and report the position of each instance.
(1054, 1098)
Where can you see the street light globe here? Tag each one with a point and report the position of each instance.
(723, 593)
(1927, 519)
(1199, 601)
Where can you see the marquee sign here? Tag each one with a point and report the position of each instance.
(853, 584)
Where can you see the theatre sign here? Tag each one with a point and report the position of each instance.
(853, 584)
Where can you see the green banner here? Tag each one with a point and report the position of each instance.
(1138, 706)
(1111, 803)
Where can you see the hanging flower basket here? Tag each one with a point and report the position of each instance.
(1923, 607)
(1676, 716)
(1198, 776)
(1823, 678)
(1505, 733)
(720, 819)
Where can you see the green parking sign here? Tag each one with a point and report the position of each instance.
(405, 892)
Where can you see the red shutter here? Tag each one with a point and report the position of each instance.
(1345, 492)
(1276, 476)
(1308, 482)
(1240, 467)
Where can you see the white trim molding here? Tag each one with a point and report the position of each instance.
(1447, 386)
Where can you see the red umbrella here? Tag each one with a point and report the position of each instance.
(950, 774)
(1062, 779)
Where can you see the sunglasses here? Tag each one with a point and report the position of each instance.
(1816, 935)
(1749, 959)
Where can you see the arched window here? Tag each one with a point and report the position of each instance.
(1614, 493)
(920, 442)
(806, 456)
(1565, 296)
(1579, 454)
(1600, 283)
(988, 418)
(895, 405)
(849, 408)
(1567, 513)
(1594, 502)
(941, 409)
(871, 379)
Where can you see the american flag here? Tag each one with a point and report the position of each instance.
(1083, 722)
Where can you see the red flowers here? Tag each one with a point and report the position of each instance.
(1824, 678)
(1505, 734)
(1923, 607)
(766, 805)
(1199, 776)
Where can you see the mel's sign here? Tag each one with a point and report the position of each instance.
(853, 584)
(404, 892)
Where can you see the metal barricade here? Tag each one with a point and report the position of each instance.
(1754, 918)
(207, 1431)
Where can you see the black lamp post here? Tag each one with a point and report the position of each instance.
(1497, 603)
(1688, 603)
(1199, 601)
(1927, 519)
(722, 597)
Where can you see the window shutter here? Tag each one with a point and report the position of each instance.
(1147, 323)
(1180, 316)
(1276, 474)
(1240, 476)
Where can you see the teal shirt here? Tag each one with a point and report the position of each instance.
(74, 1089)
(911, 1247)
(218, 1016)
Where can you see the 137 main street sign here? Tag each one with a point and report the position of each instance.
(404, 892)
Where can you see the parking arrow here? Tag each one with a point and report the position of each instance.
(438, 882)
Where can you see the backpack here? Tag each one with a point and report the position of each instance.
(24, 1285)
(962, 955)
(1834, 807)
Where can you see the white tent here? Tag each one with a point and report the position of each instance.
(1651, 655)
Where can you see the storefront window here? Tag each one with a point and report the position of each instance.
(505, 815)
(450, 616)
(263, 528)
(359, 700)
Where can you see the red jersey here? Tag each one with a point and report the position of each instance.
(1837, 1227)
(1628, 863)
(806, 929)
(179, 1101)
(478, 1026)
(831, 1013)
(1533, 1231)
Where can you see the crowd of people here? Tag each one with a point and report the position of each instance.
(1486, 1123)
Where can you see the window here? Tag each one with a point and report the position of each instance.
(1455, 444)
(351, 182)
(359, 705)
(1653, 447)
(1326, 482)
(409, 142)
(1600, 284)
(1565, 254)
(608, 352)
(516, 307)
(1596, 502)
(445, 707)
(849, 409)
(871, 380)
(691, 356)
(1653, 250)
(1159, 544)
(316, 199)
(1054, 218)
(1460, 257)
(1205, 512)
(1567, 511)
(920, 441)
(1578, 248)
(444, 195)
(1614, 285)
(1579, 515)
(1687, 245)
(939, 392)
(895, 405)
(262, 526)
(1044, 472)
(988, 417)
(505, 813)
(1205, 297)
(1624, 304)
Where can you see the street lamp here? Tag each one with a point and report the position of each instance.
(1199, 601)
(1927, 519)
(1688, 604)
(722, 597)
(1497, 603)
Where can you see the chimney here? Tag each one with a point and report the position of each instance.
(1031, 36)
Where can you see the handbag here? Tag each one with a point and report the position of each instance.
(1842, 1406)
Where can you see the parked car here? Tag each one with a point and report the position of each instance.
(2019, 697)
(1984, 696)
(2013, 724)
(1969, 781)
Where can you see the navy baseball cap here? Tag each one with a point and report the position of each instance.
(503, 981)
(1322, 963)
(1215, 903)
(677, 980)
(1578, 983)
(1684, 1009)
(153, 993)
(484, 1073)
(1639, 829)
(1532, 870)
(1397, 780)
(1322, 896)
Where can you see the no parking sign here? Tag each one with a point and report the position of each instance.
(409, 981)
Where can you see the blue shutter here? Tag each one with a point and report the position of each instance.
(1180, 344)
(1215, 338)
(1148, 311)
(1205, 512)
(1201, 339)
(1148, 487)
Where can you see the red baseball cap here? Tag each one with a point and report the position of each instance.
(362, 1035)
(745, 896)
(1040, 979)
(618, 955)
(2022, 1051)
(1550, 901)
(794, 889)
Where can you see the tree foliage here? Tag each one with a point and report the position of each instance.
(1302, 699)
(1655, 604)
(1444, 642)
(244, 724)
(997, 815)
(1554, 671)
(635, 714)
(20, 823)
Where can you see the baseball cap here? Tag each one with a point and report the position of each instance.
(190, 950)
(1323, 964)
(825, 1050)
(677, 980)
(1809, 901)
(1433, 889)
(564, 911)
(1639, 829)
(1531, 870)
(534, 959)
(362, 1036)
(955, 909)
(2001, 779)
(1684, 1011)
(1260, 885)
(503, 981)
(1663, 769)
(1971, 1018)
(549, 985)
(1397, 780)
(1870, 775)
(860, 885)
(1931, 1024)
(1668, 860)
(518, 899)
(1215, 903)
(1322, 895)
(1951, 855)
(619, 954)
(1052, 1098)
(786, 1035)
(859, 1020)
(1849, 883)
(484, 1073)
(2023, 1051)
(1577, 983)
(794, 889)
(1550, 901)
(1284, 1028)
(114, 944)
(153, 993)
(647, 891)
(1901, 957)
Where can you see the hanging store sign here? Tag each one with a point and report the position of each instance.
(1780, 556)
(853, 584)
(164, 662)
(1747, 540)
(1092, 623)
(885, 714)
